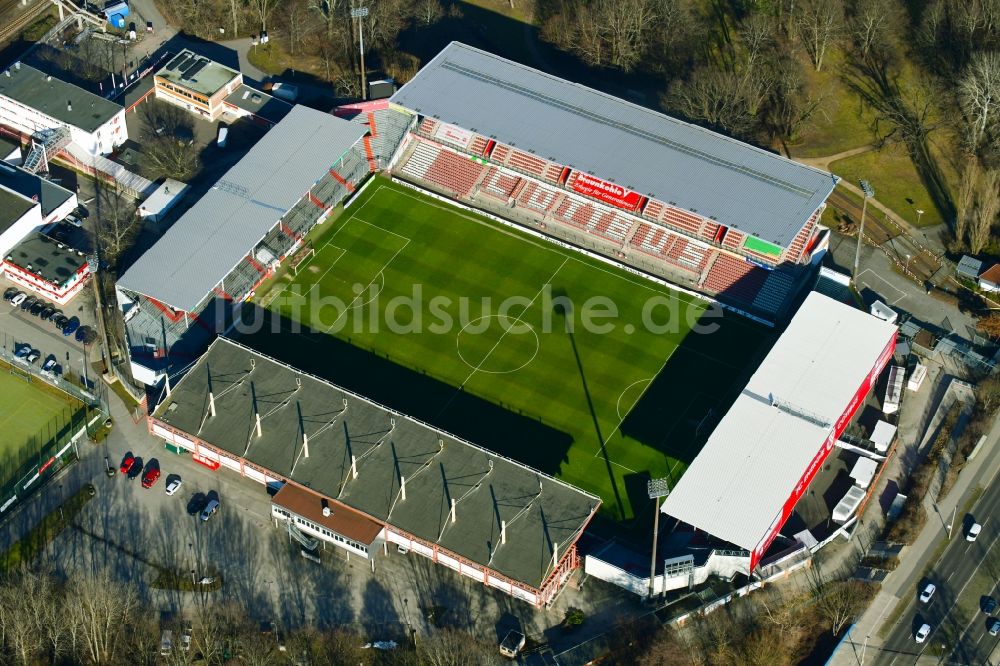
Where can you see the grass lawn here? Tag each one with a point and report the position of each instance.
(841, 122)
(31, 415)
(487, 353)
(895, 180)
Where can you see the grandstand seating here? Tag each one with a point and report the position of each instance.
(499, 184)
(522, 161)
(735, 278)
(537, 198)
(450, 171)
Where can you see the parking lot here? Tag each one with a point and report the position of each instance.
(139, 531)
(19, 327)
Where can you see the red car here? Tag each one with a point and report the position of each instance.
(150, 477)
(127, 463)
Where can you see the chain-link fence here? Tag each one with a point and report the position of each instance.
(25, 466)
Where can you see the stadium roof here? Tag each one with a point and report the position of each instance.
(743, 187)
(56, 98)
(737, 485)
(539, 511)
(34, 187)
(211, 238)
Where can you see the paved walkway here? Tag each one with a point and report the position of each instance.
(825, 161)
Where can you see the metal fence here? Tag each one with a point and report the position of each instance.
(54, 445)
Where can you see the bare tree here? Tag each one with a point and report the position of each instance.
(985, 214)
(979, 94)
(873, 22)
(966, 203)
(819, 24)
(263, 9)
(431, 11)
(451, 647)
(102, 607)
(840, 601)
(117, 221)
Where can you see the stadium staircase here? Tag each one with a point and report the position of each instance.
(309, 543)
(45, 144)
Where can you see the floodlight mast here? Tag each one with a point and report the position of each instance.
(360, 13)
(656, 488)
(866, 188)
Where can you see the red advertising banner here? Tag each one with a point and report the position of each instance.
(821, 455)
(609, 193)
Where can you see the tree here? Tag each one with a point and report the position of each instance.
(819, 24)
(988, 392)
(452, 647)
(840, 601)
(987, 208)
(872, 24)
(979, 94)
(101, 607)
(263, 9)
(117, 221)
(989, 325)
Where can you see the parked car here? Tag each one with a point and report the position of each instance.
(37, 307)
(18, 298)
(927, 592)
(10, 293)
(71, 326)
(209, 510)
(174, 484)
(82, 212)
(988, 604)
(923, 632)
(85, 334)
(135, 470)
(127, 462)
(47, 313)
(973, 532)
(28, 302)
(33, 356)
(150, 477)
(50, 363)
(59, 320)
(993, 626)
(74, 220)
(196, 504)
(22, 350)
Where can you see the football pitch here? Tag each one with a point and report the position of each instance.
(538, 352)
(30, 417)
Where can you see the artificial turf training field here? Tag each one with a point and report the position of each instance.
(29, 416)
(628, 402)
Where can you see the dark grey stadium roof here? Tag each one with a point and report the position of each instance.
(714, 176)
(540, 511)
(211, 238)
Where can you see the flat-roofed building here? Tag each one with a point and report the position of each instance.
(32, 101)
(51, 269)
(55, 201)
(197, 84)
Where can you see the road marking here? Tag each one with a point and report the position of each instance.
(902, 294)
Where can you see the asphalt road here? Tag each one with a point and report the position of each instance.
(958, 574)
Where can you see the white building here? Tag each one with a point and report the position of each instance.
(55, 201)
(31, 100)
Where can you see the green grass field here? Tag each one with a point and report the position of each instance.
(30, 415)
(602, 409)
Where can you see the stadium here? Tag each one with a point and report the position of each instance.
(477, 201)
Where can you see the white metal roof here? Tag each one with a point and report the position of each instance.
(211, 238)
(743, 187)
(738, 483)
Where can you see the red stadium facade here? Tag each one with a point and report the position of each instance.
(823, 453)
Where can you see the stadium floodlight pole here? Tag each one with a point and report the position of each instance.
(868, 192)
(360, 13)
(656, 488)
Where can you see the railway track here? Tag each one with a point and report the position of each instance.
(910, 256)
(13, 22)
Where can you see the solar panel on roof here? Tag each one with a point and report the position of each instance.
(175, 61)
(190, 74)
(188, 64)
